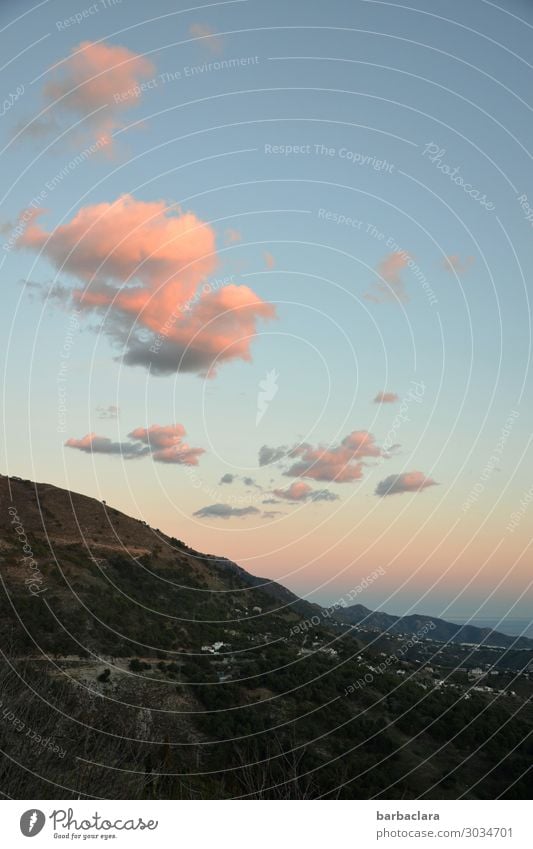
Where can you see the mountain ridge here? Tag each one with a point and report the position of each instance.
(37, 510)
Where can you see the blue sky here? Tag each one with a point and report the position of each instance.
(383, 108)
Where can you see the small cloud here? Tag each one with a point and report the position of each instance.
(297, 491)
(224, 511)
(227, 478)
(166, 444)
(271, 501)
(110, 412)
(300, 491)
(271, 514)
(394, 448)
(342, 463)
(386, 398)
(50, 292)
(324, 495)
(268, 455)
(230, 478)
(91, 443)
(390, 286)
(406, 482)
(213, 42)
(231, 236)
(270, 261)
(455, 265)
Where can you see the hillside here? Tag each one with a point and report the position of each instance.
(137, 667)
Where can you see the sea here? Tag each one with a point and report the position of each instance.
(511, 626)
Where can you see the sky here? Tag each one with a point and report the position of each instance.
(266, 284)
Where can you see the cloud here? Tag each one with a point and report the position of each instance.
(224, 511)
(98, 83)
(141, 265)
(271, 501)
(391, 286)
(342, 463)
(231, 235)
(227, 478)
(271, 514)
(324, 495)
(386, 398)
(50, 292)
(213, 42)
(269, 455)
(91, 443)
(406, 482)
(455, 265)
(300, 491)
(296, 492)
(270, 261)
(110, 412)
(164, 444)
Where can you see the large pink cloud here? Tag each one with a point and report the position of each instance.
(143, 264)
(97, 83)
(128, 241)
(164, 443)
(342, 463)
(405, 482)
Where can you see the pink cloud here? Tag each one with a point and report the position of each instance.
(390, 287)
(91, 443)
(386, 398)
(406, 482)
(297, 491)
(208, 37)
(98, 82)
(164, 443)
(270, 261)
(300, 491)
(129, 239)
(231, 235)
(454, 264)
(342, 464)
(142, 265)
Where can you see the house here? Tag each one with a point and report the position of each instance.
(214, 648)
(476, 672)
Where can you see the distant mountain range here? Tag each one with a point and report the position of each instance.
(443, 631)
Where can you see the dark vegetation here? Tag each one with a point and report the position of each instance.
(112, 687)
